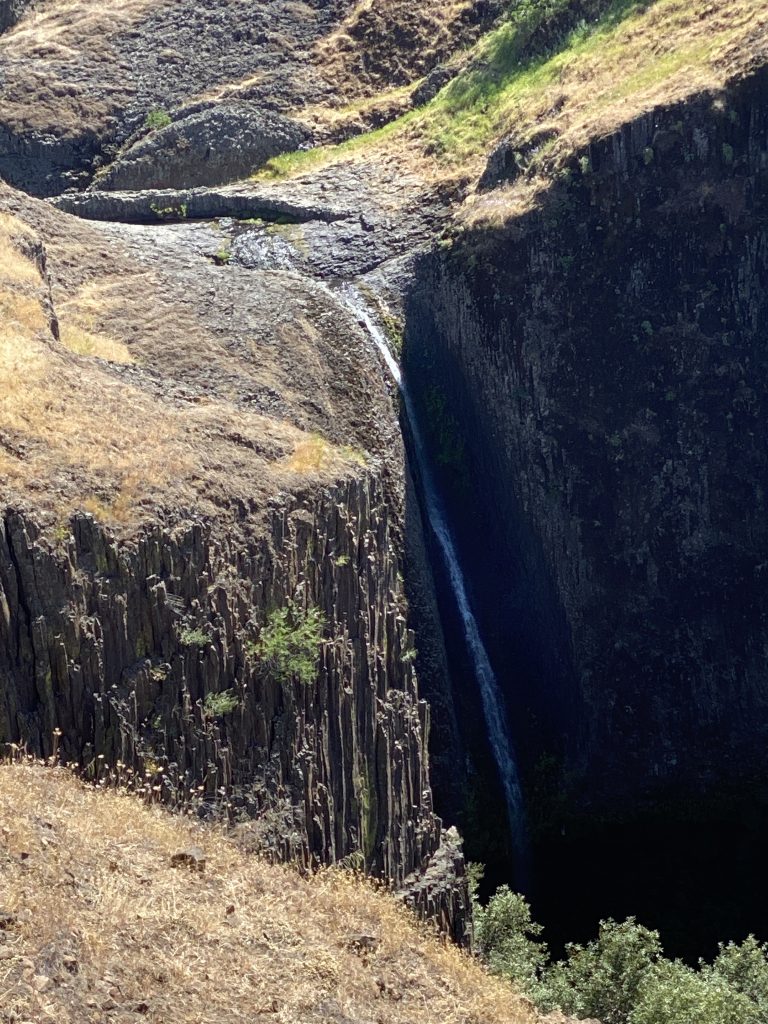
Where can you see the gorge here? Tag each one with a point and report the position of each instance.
(444, 330)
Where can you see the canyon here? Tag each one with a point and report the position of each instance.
(448, 327)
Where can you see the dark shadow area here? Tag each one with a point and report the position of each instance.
(592, 384)
(696, 873)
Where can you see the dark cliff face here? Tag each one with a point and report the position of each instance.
(594, 377)
(103, 640)
(10, 12)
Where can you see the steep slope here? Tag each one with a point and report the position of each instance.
(97, 924)
(589, 352)
(183, 93)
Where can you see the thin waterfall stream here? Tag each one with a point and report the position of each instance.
(492, 700)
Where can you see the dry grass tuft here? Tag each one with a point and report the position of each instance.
(15, 266)
(84, 343)
(102, 927)
(314, 455)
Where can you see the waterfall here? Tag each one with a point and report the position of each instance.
(490, 693)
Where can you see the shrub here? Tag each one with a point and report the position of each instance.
(672, 993)
(508, 939)
(288, 645)
(169, 212)
(157, 119)
(622, 977)
(194, 638)
(745, 967)
(603, 978)
(218, 704)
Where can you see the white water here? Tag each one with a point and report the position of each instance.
(492, 700)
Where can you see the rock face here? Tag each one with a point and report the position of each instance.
(108, 70)
(10, 12)
(207, 147)
(121, 645)
(601, 426)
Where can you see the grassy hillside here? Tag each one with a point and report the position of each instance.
(97, 924)
(84, 313)
(556, 74)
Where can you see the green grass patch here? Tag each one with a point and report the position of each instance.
(289, 165)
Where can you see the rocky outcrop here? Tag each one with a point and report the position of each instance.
(44, 163)
(432, 894)
(153, 205)
(205, 147)
(594, 380)
(113, 653)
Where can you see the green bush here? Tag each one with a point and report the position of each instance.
(745, 968)
(672, 993)
(603, 978)
(289, 642)
(622, 977)
(508, 939)
(156, 119)
(194, 638)
(218, 704)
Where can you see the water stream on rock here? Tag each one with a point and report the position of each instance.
(492, 701)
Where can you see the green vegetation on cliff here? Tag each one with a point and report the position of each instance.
(289, 643)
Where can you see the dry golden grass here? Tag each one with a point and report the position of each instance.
(382, 44)
(102, 927)
(15, 267)
(85, 343)
(79, 318)
(40, 89)
(52, 425)
(313, 455)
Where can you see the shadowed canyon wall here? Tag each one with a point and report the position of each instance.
(593, 376)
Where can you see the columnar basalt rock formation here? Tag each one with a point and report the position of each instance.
(610, 485)
(96, 646)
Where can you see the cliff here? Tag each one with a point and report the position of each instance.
(145, 548)
(557, 211)
(593, 377)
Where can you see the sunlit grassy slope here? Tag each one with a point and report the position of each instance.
(102, 441)
(567, 85)
(96, 924)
